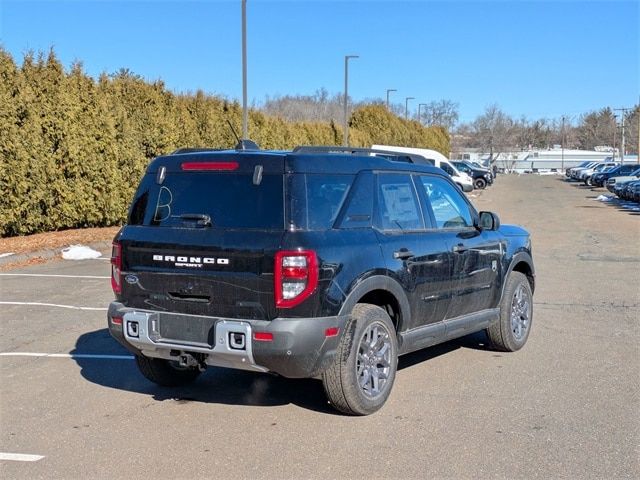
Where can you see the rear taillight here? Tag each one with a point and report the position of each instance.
(116, 268)
(296, 277)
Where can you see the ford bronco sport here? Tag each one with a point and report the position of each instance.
(323, 262)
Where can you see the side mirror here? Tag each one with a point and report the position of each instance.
(488, 221)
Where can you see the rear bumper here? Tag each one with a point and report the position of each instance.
(299, 347)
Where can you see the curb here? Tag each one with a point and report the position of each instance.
(49, 254)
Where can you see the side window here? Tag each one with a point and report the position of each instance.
(359, 211)
(315, 199)
(398, 207)
(449, 207)
(446, 168)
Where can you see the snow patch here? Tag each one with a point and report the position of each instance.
(79, 252)
(2, 255)
(604, 198)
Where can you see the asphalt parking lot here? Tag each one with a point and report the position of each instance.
(566, 406)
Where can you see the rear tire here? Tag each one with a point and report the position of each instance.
(480, 183)
(511, 332)
(360, 378)
(165, 372)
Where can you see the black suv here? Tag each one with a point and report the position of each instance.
(600, 179)
(311, 262)
(481, 176)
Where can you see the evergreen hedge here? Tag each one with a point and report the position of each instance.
(72, 148)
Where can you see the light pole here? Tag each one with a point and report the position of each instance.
(420, 105)
(615, 131)
(389, 90)
(346, 96)
(406, 106)
(245, 127)
(562, 141)
(622, 111)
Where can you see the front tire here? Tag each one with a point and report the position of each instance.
(511, 332)
(480, 183)
(165, 372)
(360, 378)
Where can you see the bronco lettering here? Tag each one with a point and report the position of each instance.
(190, 261)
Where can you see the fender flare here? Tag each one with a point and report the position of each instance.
(378, 282)
(518, 258)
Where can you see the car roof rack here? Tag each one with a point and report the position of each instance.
(393, 156)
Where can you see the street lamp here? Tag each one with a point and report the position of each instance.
(245, 127)
(346, 96)
(406, 106)
(420, 105)
(389, 90)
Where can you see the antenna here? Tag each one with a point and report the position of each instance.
(233, 130)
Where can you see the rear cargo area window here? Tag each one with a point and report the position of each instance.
(228, 200)
(316, 199)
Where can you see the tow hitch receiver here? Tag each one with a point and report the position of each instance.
(237, 341)
(132, 329)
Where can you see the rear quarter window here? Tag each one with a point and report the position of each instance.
(315, 200)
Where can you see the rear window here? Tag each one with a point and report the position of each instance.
(229, 200)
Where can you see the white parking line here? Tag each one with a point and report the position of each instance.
(66, 355)
(20, 457)
(38, 304)
(49, 275)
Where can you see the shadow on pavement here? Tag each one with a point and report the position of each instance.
(475, 341)
(215, 385)
(227, 386)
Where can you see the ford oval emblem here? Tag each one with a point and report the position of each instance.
(131, 279)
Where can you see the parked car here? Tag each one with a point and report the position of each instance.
(464, 181)
(636, 193)
(569, 172)
(585, 175)
(310, 263)
(627, 189)
(481, 176)
(600, 179)
(618, 180)
(575, 173)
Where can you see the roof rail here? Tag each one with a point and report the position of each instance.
(390, 155)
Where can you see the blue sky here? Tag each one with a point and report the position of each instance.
(538, 59)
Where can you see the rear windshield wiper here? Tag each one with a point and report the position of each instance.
(201, 219)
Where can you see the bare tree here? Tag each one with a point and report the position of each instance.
(320, 107)
(494, 131)
(440, 112)
(596, 128)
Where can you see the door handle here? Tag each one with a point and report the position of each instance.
(460, 248)
(402, 254)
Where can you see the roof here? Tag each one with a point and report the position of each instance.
(274, 161)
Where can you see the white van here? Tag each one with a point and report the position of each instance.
(464, 181)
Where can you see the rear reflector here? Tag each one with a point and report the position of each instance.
(331, 332)
(263, 336)
(116, 320)
(220, 166)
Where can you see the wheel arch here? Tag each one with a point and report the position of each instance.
(523, 263)
(383, 292)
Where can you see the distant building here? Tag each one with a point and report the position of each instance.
(534, 160)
